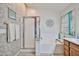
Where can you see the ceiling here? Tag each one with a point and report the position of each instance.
(49, 6)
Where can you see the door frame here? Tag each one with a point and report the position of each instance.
(35, 23)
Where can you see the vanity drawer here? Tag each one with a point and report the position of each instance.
(74, 52)
(74, 46)
(66, 42)
(66, 47)
(66, 53)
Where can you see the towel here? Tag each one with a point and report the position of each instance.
(11, 32)
(17, 27)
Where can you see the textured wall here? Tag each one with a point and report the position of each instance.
(6, 48)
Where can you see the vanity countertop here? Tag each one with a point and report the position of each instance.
(73, 40)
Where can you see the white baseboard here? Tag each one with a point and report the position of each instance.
(28, 50)
(46, 54)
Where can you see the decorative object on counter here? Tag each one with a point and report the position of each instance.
(59, 36)
(11, 14)
(49, 23)
(77, 36)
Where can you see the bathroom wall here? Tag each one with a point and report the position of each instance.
(10, 48)
(75, 8)
(48, 34)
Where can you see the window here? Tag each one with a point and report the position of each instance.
(70, 23)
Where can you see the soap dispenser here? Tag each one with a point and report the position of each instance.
(77, 36)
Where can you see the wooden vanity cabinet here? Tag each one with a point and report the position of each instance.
(66, 48)
(74, 49)
(70, 49)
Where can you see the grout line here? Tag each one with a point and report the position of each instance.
(17, 53)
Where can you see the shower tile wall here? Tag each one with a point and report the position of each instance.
(10, 48)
